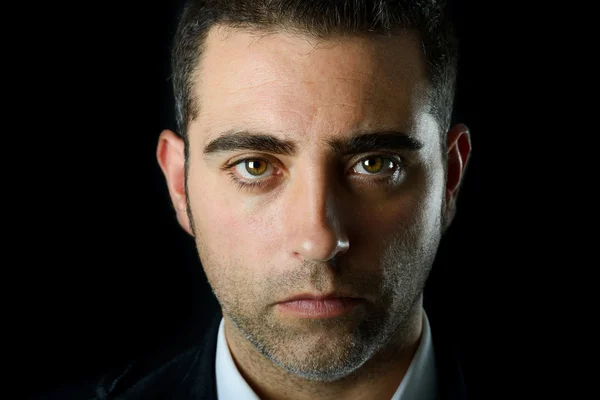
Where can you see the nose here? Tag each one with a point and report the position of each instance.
(315, 224)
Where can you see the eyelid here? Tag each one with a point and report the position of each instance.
(231, 166)
(255, 178)
(265, 158)
(394, 157)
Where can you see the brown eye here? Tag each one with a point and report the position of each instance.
(253, 168)
(256, 167)
(374, 165)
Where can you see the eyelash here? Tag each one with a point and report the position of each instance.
(243, 184)
(263, 183)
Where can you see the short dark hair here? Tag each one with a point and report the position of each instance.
(320, 19)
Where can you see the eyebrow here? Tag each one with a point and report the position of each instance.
(361, 143)
(373, 141)
(246, 140)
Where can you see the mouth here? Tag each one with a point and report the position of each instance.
(319, 306)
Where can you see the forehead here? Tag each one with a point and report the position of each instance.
(291, 83)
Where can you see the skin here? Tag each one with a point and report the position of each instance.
(322, 221)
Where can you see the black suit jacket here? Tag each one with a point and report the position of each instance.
(190, 375)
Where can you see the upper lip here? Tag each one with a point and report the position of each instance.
(317, 296)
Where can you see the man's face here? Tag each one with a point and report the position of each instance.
(322, 216)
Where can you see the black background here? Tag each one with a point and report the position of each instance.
(109, 274)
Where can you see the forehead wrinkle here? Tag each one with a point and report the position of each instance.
(252, 86)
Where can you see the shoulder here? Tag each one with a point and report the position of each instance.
(449, 355)
(183, 369)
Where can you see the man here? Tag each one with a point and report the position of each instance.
(317, 169)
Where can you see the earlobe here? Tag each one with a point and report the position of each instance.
(170, 154)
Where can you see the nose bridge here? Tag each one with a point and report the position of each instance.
(319, 196)
(319, 233)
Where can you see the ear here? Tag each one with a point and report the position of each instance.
(459, 151)
(170, 153)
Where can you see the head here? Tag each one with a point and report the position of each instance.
(315, 154)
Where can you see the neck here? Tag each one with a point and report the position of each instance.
(378, 378)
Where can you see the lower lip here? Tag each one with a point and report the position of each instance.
(319, 308)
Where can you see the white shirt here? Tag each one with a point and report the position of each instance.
(419, 383)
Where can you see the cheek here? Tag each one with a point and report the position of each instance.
(413, 204)
(381, 223)
(230, 226)
(407, 219)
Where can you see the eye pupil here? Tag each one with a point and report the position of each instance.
(373, 164)
(256, 167)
